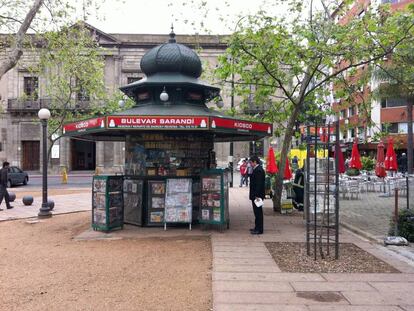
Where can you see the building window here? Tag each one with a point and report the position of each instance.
(343, 114)
(361, 133)
(393, 102)
(30, 87)
(390, 128)
(403, 128)
(83, 94)
(351, 133)
(351, 111)
(133, 79)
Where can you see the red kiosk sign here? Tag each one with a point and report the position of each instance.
(84, 126)
(241, 125)
(157, 122)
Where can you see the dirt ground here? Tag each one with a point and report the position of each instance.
(292, 257)
(43, 268)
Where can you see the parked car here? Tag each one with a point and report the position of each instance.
(17, 176)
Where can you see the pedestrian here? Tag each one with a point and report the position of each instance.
(243, 173)
(402, 163)
(295, 163)
(257, 194)
(3, 185)
(249, 171)
(298, 188)
(347, 162)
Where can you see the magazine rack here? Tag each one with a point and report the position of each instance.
(214, 207)
(107, 203)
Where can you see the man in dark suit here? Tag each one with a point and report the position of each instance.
(257, 191)
(3, 185)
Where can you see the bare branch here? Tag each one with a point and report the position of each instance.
(17, 50)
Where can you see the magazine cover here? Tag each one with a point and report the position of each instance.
(99, 185)
(99, 200)
(178, 200)
(211, 183)
(205, 214)
(158, 188)
(157, 202)
(179, 185)
(157, 217)
(216, 214)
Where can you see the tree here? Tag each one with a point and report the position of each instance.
(16, 51)
(397, 77)
(16, 20)
(293, 60)
(72, 65)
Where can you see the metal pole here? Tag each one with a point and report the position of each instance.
(338, 149)
(315, 217)
(396, 212)
(231, 143)
(408, 191)
(307, 201)
(44, 211)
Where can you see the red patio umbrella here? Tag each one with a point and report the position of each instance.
(380, 166)
(288, 173)
(271, 166)
(355, 157)
(341, 162)
(390, 157)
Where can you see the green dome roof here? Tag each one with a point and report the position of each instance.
(171, 57)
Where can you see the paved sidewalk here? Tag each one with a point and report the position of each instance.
(65, 203)
(245, 277)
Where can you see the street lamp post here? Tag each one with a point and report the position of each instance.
(44, 211)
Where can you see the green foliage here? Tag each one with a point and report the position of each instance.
(405, 225)
(72, 67)
(368, 163)
(352, 172)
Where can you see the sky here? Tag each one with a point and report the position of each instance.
(156, 16)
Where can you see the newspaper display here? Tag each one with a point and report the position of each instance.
(178, 201)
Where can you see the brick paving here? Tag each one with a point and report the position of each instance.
(245, 277)
(371, 213)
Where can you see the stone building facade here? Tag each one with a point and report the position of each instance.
(20, 127)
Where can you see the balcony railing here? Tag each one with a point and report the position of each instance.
(28, 105)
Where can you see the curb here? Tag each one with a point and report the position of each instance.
(55, 176)
(407, 255)
(362, 233)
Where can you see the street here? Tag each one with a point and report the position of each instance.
(55, 181)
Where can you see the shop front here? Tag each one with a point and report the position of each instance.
(170, 174)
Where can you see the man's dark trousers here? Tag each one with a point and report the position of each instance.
(4, 194)
(258, 217)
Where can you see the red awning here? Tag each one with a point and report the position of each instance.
(380, 166)
(391, 157)
(271, 166)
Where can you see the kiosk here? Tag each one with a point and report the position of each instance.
(169, 140)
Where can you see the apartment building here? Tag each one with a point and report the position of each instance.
(22, 95)
(362, 116)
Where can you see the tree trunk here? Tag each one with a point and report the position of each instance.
(17, 51)
(410, 135)
(283, 154)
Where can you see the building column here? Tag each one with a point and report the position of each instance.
(64, 153)
(100, 159)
